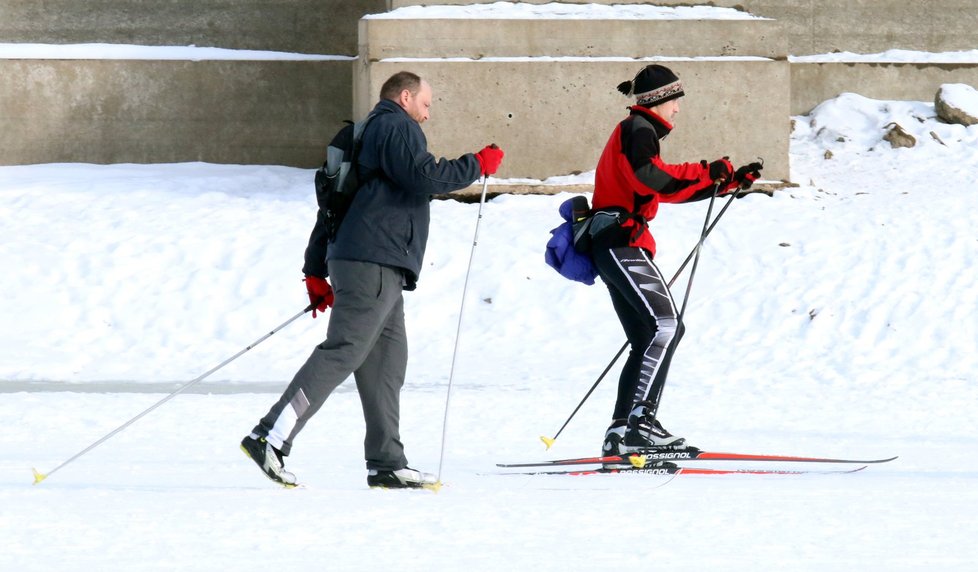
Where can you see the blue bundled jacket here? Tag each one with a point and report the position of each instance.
(562, 256)
(388, 220)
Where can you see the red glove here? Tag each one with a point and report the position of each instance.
(320, 293)
(489, 159)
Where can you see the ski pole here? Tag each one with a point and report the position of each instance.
(696, 259)
(549, 441)
(689, 283)
(458, 332)
(38, 476)
(698, 248)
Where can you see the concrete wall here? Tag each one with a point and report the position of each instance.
(813, 83)
(871, 26)
(109, 111)
(444, 38)
(303, 26)
(823, 26)
(551, 117)
(329, 26)
(554, 118)
(106, 111)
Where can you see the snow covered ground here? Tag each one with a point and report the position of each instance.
(836, 318)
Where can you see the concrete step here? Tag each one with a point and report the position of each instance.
(567, 30)
(539, 80)
(273, 111)
(303, 26)
(828, 26)
(152, 107)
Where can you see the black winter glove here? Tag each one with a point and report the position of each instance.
(746, 175)
(720, 170)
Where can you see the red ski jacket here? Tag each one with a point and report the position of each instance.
(631, 175)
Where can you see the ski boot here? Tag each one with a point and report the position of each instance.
(644, 432)
(406, 478)
(269, 460)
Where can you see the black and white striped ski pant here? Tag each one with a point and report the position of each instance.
(650, 319)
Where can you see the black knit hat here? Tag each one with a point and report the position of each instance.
(653, 85)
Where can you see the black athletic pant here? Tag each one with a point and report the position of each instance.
(650, 319)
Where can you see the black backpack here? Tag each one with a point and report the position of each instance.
(337, 181)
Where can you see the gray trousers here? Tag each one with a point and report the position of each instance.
(365, 337)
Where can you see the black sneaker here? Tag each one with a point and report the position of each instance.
(645, 433)
(268, 458)
(406, 478)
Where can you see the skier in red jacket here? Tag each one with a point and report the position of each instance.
(630, 182)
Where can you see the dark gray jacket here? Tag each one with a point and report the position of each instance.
(389, 218)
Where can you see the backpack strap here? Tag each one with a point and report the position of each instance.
(358, 129)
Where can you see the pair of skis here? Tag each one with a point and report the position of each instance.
(667, 462)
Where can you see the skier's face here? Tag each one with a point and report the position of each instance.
(417, 105)
(668, 110)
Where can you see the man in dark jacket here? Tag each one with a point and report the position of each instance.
(377, 253)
